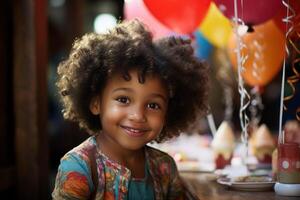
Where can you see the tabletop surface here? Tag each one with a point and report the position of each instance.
(205, 187)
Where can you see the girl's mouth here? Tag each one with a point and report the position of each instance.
(134, 132)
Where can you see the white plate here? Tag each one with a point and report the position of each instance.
(248, 186)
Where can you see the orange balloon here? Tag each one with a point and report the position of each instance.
(265, 51)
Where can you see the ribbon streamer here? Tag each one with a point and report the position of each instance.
(293, 79)
(244, 96)
(288, 21)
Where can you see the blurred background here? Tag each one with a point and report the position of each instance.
(37, 34)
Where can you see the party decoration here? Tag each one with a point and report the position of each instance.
(288, 36)
(265, 52)
(288, 13)
(202, 46)
(289, 151)
(223, 145)
(293, 48)
(244, 95)
(288, 176)
(293, 79)
(137, 9)
(216, 27)
(180, 16)
(249, 11)
(262, 144)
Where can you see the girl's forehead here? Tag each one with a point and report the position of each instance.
(151, 81)
(135, 74)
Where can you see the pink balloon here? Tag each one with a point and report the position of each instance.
(136, 9)
(252, 12)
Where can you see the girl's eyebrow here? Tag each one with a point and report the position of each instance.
(122, 89)
(154, 95)
(158, 95)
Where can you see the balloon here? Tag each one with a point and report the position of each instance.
(265, 50)
(203, 47)
(216, 27)
(252, 12)
(180, 16)
(137, 9)
(282, 14)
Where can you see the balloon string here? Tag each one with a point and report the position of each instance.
(287, 21)
(293, 44)
(244, 96)
(294, 78)
(289, 17)
(242, 6)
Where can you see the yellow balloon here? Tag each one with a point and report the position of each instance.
(215, 27)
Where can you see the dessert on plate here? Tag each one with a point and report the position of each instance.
(262, 144)
(223, 145)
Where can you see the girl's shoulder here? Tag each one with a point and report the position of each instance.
(78, 158)
(74, 177)
(82, 151)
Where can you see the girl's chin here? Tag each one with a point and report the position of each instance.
(133, 147)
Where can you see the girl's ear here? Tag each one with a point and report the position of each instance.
(95, 105)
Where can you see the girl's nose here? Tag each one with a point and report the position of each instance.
(137, 114)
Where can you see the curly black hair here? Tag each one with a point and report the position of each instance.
(96, 57)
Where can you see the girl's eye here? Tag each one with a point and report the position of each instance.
(123, 100)
(154, 106)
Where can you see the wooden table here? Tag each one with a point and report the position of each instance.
(205, 187)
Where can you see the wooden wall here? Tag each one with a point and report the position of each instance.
(23, 99)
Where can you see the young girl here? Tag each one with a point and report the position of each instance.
(126, 91)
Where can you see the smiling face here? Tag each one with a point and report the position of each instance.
(131, 113)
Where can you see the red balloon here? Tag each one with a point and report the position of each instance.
(282, 14)
(252, 12)
(180, 16)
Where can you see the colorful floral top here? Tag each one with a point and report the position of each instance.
(74, 178)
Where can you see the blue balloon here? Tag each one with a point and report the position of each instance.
(203, 47)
